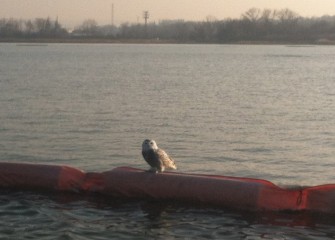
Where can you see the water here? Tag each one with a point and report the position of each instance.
(251, 111)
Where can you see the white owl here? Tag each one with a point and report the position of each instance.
(157, 158)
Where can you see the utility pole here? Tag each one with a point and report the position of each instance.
(112, 14)
(146, 17)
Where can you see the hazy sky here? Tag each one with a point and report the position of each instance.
(73, 12)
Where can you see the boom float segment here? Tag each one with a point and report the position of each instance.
(240, 193)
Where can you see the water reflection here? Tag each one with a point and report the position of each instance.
(82, 216)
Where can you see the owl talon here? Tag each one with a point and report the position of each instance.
(152, 170)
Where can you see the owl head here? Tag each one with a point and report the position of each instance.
(149, 145)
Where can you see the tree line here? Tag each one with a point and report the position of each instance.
(38, 28)
(255, 25)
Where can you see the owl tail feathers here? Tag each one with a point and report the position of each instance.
(171, 165)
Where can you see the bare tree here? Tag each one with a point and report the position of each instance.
(89, 27)
(267, 16)
(287, 16)
(252, 15)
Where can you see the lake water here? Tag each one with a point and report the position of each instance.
(248, 111)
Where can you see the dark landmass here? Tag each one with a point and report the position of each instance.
(254, 27)
(31, 41)
(45, 41)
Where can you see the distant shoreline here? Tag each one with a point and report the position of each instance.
(83, 40)
(44, 41)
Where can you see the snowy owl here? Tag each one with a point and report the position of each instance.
(157, 158)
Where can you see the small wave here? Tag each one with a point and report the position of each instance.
(252, 150)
